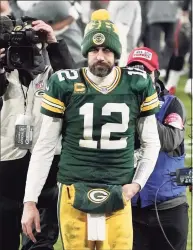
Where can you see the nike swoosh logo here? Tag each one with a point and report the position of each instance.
(47, 88)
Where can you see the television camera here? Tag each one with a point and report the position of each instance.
(19, 41)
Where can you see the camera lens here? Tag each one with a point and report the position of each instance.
(15, 58)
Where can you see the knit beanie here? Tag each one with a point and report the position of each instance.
(101, 32)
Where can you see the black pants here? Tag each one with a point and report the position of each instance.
(12, 186)
(154, 36)
(147, 232)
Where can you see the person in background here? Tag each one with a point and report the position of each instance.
(21, 92)
(61, 16)
(4, 10)
(143, 40)
(188, 89)
(88, 7)
(96, 110)
(160, 188)
(85, 13)
(129, 26)
(183, 46)
(100, 4)
(161, 17)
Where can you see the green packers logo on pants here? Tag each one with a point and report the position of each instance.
(98, 195)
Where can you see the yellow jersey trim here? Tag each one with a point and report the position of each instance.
(151, 106)
(54, 100)
(150, 98)
(52, 109)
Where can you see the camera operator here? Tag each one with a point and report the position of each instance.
(62, 16)
(161, 197)
(21, 91)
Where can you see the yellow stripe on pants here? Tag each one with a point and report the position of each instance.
(73, 226)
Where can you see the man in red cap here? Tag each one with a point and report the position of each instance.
(161, 204)
(145, 59)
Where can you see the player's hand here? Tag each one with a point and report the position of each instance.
(41, 25)
(129, 190)
(30, 218)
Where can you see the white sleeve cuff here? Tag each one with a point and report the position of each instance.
(149, 149)
(142, 174)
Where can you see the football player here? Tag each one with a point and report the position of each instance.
(96, 109)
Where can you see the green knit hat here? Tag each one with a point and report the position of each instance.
(101, 32)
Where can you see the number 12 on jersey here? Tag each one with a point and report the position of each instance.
(87, 110)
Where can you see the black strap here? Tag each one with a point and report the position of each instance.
(25, 97)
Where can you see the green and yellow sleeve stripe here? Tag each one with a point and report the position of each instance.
(52, 104)
(150, 103)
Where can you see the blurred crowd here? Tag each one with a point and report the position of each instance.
(164, 26)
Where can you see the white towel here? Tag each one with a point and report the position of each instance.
(96, 227)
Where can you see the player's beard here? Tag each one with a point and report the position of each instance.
(101, 69)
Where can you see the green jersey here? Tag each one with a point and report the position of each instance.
(98, 123)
